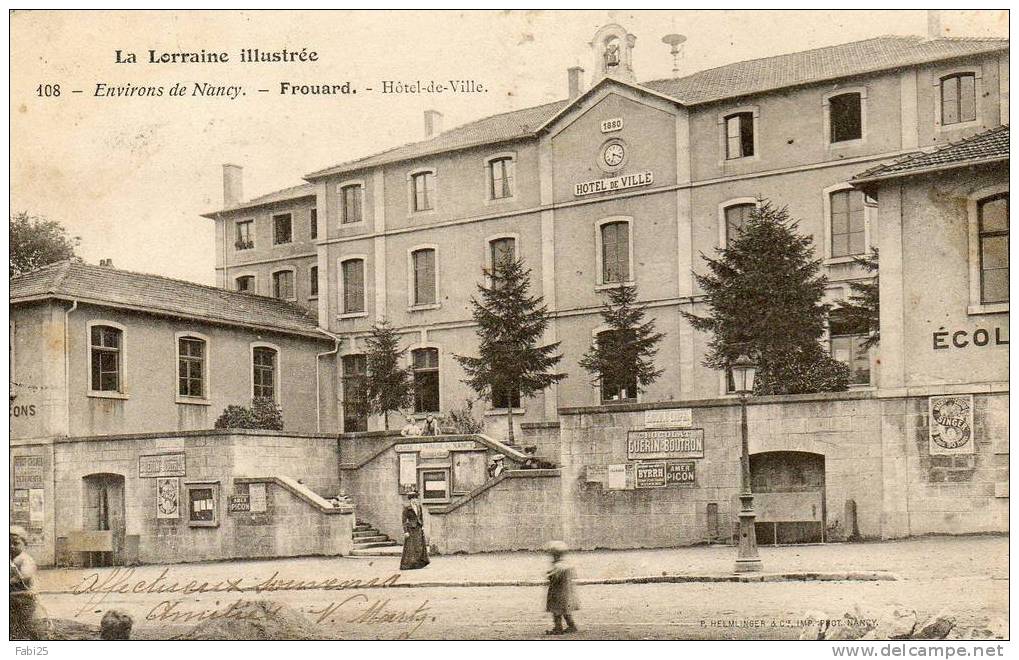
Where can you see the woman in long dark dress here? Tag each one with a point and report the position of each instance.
(415, 552)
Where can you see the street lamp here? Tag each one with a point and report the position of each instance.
(747, 561)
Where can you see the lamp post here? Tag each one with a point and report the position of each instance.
(747, 561)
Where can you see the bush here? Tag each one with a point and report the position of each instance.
(462, 419)
(801, 373)
(263, 414)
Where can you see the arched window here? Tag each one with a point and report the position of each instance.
(264, 366)
(425, 366)
(423, 191)
(502, 251)
(424, 276)
(735, 217)
(192, 360)
(283, 285)
(848, 223)
(352, 272)
(500, 177)
(106, 358)
(245, 283)
(615, 252)
(992, 216)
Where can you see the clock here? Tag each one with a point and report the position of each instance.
(613, 154)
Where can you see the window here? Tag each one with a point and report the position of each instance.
(992, 215)
(106, 345)
(424, 191)
(282, 229)
(245, 283)
(313, 282)
(355, 414)
(425, 364)
(283, 285)
(848, 224)
(245, 236)
(847, 347)
(353, 286)
(739, 135)
(613, 391)
(615, 252)
(958, 98)
(500, 178)
(191, 367)
(501, 399)
(263, 377)
(735, 217)
(845, 117)
(314, 224)
(353, 202)
(502, 251)
(203, 503)
(423, 263)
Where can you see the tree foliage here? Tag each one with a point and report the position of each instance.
(264, 414)
(510, 323)
(36, 241)
(625, 353)
(765, 294)
(863, 309)
(389, 383)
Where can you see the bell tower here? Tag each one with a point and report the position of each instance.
(612, 49)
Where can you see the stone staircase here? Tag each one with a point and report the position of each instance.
(370, 542)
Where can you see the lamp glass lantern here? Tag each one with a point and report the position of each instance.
(743, 372)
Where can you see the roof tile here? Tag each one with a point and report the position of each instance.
(987, 146)
(161, 295)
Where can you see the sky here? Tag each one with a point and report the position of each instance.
(130, 176)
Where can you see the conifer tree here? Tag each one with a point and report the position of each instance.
(863, 309)
(625, 353)
(510, 323)
(388, 382)
(764, 294)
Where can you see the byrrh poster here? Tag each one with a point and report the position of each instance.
(509, 325)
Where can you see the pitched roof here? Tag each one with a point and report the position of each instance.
(287, 194)
(161, 295)
(987, 147)
(728, 81)
(818, 64)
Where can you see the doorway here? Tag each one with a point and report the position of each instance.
(104, 512)
(789, 497)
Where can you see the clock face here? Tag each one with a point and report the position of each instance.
(613, 154)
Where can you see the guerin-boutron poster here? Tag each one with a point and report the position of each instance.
(510, 325)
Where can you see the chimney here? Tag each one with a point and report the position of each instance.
(433, 123)
(576, 77)
(233, 185)
(106, 263)
(934, 24)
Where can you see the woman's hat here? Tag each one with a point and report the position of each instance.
(19, 531)
(556, 547)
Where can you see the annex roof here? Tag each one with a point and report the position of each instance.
(285, 195)
(101, 285)
(987, 147)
